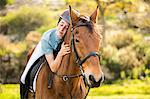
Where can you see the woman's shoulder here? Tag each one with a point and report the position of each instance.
(48, 33)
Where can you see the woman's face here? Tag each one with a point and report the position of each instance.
(62, 28)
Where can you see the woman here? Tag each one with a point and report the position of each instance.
(49, 47)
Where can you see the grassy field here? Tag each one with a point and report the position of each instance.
(128, 89)
(9, 91)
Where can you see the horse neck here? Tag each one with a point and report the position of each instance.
(68, 65)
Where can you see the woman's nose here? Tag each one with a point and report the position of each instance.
(63, 28)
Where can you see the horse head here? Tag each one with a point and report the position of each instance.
(86, 45)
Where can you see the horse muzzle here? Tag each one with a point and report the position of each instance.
(94, 83)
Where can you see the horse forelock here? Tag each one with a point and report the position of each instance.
(92, 27)
(85, 21)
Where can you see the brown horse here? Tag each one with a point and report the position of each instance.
(80, 70)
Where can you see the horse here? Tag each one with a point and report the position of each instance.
(80, 70)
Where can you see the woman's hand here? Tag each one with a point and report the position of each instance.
(65, 49)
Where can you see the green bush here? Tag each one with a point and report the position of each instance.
(19, 22)
(3, 3)
(12, 60)
(4, 42)
(120, 39)
(127, 55)
(148, 58)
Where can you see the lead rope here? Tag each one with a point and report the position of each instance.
(87, 92)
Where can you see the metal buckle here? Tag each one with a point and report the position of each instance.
(77, 61)
(65, 78)
(31, 89)
(72, 29)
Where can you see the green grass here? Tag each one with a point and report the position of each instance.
(123, 87)
(9, 91)
(130, 96)
(127, 89)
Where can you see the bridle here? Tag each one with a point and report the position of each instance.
(79, 62)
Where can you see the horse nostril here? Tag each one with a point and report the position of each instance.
(95, 83)
(91, 77)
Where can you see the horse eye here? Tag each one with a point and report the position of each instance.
(77, 32)
(77, 40)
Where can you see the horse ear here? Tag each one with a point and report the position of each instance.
(94, 15)
(74, 16)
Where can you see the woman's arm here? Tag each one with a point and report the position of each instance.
(55, 63)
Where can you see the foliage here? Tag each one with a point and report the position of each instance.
(25, 19)
(126, 55)
(11, 60)
(89, 6)
(3, 45)
(32, 39)
(120, 40)
(3, 3)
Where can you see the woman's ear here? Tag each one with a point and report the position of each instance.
(93, 17)
(74, 16)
